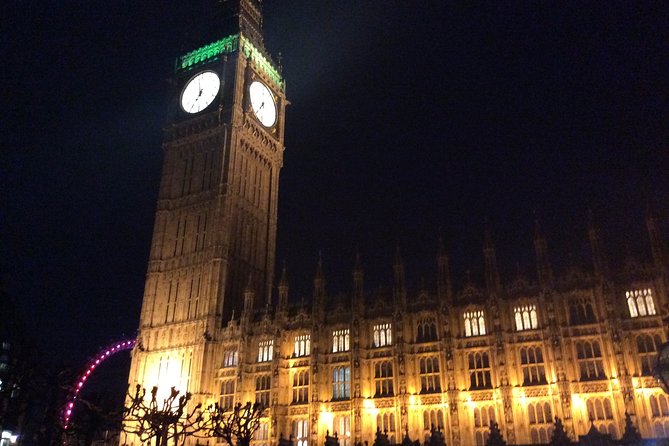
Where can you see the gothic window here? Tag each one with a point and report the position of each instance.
(301, 387)
(532, 365)
(340, 341)
(526, 317)
(474, 323)
(383, 335)
(341, 383)
(640, 302)
(483, 419)
(230, 358)
(429, 375)
(581, 312)
(589, 358)
(263, 385)
(433, 419)
(659, 408)
(342, 428)
(265, 350)
(479, 371)
(302, 345)
(647, 347)
(227, 400)
(301, 432)
(426, 330)
(383, 379)
(541, 422)
(385, 422)
(600, 412)
(261, 435)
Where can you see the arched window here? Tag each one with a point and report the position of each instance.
(483, 419)
(383, 335)
(385, 422)
(383, 379)
(341, 383)
(429, 375)
(526, 317)
(302, 345)
(479, 370)
(301, 387)
(640, 302)
(301, 432)
(589, 358)
(342, 429)
(532, 365)
(230, 358)
(433, 419)
(227, 399)
(581, 311)
(474, 323)
(263, 386)
(265, 350)
(340, 341)
(426, 330)
(647, 347)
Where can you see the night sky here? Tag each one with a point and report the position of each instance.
(408, 119)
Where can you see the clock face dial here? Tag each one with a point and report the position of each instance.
(262, 103)
(200, 91)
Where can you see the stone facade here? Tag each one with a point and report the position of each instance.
(580, 347)
(577, 346)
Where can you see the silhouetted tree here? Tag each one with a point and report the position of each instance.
(171, 420)
(236, 427)
(495, 437)
(631, 436)
(559, 437)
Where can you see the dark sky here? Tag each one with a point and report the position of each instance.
(406, 117)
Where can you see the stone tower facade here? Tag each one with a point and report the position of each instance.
(578, 345)
(215, 226)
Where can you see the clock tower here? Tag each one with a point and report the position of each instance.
(215, 227)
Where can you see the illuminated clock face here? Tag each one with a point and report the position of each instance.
(262, 103)
(200, 91)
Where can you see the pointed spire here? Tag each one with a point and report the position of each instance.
(249, 297)
(444, 288)
(319, 283)
(491, 272)
(598, 259)
(399, 289)
(358, 278)
(544, 270)
(283, 290)
(656, 241)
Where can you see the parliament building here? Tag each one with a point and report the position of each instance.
(216, 321)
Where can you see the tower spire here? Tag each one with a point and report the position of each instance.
(656, 242)
(444, 288)
(319, 285)
(358, 279)
(399, 289)
(239, 17)
(249, 297)
(598, 260)
(491, 272)
(283, 291)
(544, 270)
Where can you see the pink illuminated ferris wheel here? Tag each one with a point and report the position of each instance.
(98, 359)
